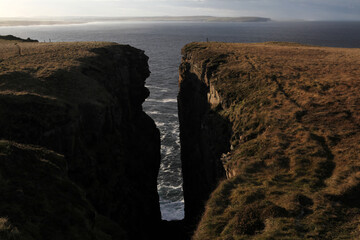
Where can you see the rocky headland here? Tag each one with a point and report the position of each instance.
(270, 142)
(79, 158)
(270, 137)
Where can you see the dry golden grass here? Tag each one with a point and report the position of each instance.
(294, 171)
(44, 58)
(34, 69)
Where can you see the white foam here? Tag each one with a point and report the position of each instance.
(155, 87)
(168, 150)
(154, 112)
(163, 110)
(160, 124)
(166, 100)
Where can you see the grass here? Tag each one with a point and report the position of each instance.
(295, 115)
(7, 231)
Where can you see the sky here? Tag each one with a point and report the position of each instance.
(275, 9)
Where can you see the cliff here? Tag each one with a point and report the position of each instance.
(79, 157)
(270, 138)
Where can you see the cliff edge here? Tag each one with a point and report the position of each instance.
(79, 157)
(270, 137)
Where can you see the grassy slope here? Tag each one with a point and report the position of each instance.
(42, 60)
(294, 170)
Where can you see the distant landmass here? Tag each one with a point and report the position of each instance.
(29, 22)
(184, 18)
(13, 38)
(82, 20)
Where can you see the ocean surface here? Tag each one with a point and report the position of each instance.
(162, 42)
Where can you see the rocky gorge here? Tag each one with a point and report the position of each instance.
(269, 137)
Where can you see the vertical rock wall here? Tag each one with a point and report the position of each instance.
(204, 136)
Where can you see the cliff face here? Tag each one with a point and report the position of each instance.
(204, 136)
(81, 101)
(291, 156)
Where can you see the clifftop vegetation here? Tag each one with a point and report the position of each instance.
(293, 171)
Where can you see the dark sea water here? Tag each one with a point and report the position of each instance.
(162, 42)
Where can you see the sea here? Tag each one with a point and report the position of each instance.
(162, 42)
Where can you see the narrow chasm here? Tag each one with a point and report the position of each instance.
(161, 106)
(204, 136)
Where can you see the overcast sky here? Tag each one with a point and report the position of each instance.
(276, 9)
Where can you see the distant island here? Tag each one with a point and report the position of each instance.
(82, 20)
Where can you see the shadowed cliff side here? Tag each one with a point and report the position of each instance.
(204, 136)
(81, 102)
(292, 164)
